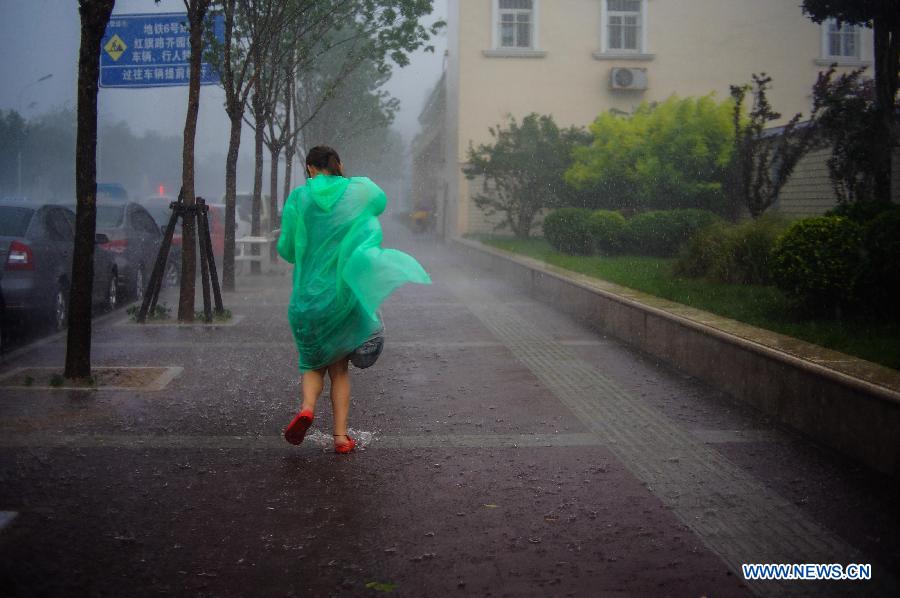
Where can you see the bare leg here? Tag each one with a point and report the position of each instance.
(340, 398)
(311, 388)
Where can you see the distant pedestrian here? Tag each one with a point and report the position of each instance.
(330, 232)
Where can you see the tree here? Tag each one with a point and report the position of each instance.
(523, 169)
(883, 16)
(849, 115)
(672, 154)
(14, 132)
(761, 163)
(251, 28)
(95, 16)
(196, 15)
(345, 107)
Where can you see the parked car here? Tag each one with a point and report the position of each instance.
(217, 229)
(113, 192)
(36, 243)
(134, 238)
(158, 208)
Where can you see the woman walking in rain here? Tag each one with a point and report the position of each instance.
(330, 232)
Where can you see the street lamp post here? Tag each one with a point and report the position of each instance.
(19, 153)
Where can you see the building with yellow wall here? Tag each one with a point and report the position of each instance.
(574, 59)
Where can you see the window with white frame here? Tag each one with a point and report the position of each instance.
(515, 24)
(840, 40)
(624, 26)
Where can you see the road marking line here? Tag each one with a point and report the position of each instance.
(734, 514)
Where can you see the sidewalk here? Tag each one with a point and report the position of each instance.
(515, 452)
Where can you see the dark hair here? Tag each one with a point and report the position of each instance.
(325, 159)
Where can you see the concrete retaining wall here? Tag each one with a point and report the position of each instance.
(857, 416)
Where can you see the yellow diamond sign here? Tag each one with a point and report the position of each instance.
(115, 47)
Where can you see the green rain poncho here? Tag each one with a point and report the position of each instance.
(330, 232)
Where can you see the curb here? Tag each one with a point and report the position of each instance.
(854, 415)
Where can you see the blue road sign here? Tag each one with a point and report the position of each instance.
(151, 50)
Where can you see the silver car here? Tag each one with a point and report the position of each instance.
(134, 240)
(36, 244)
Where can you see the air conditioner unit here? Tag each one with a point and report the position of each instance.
(628, 79)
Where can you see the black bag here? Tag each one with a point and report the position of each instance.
(367, 354)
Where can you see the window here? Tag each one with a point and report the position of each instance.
(515, 23)
(840, 40)
(144, 222)
(58, 228)
(623, 25)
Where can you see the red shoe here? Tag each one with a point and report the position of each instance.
(345, 448)
(296, 430)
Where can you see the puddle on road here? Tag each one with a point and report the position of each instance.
(325, 441)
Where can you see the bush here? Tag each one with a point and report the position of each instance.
(880, 276)
(661, 233)
(606, 231)
(862, 211)
(735, 254)
(698, 255)
(816, 262)
(672, 153)
(569, 230)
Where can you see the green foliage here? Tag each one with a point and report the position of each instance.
(218, 316)
(56, 380)
(880, 276)
(380, 586)
(569, 230)
(729, 253)
(522, 169)
(661, 233)
(847, 124)
(47, 142)
(816, 262)
(667, 155)
(606, 231)
(883, 16)
(160, 311)
(857, 12)
(862, 211)
(766, 307)
(762, 164)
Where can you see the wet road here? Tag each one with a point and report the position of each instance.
(515, 452)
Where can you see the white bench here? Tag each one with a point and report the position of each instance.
(244, 249)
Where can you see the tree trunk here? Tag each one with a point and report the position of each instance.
(887, 54)
(196, 13)
(288, 171)
(94, 18)
(291, 139)
(234, 145)
(275, 152)
(259, 118)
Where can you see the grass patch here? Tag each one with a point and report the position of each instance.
(217, 316)
(762, 306)
(159, 312)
